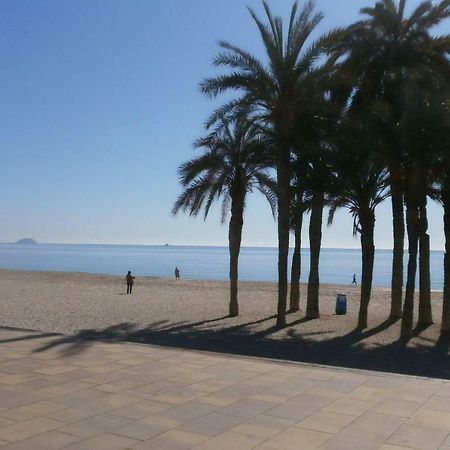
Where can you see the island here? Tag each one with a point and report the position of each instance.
(26, 241)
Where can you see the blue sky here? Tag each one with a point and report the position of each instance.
(100, 104)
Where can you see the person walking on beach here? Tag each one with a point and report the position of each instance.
(354, 279)
(177, 273)
(130, 282)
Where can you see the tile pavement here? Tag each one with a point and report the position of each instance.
(116, 396)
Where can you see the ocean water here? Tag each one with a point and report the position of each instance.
(202, 263)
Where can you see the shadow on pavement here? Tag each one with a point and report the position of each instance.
(423, 358)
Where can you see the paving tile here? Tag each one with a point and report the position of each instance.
(14, 379)
(400, 408)
(369, 393)
(70, 415)
(385, 382)
(432, 419)
(187, 412)
(63, 388)
(438, 403)
(326, 421)
(56, 370)
(182, 395)
(27, 428)
(230, 440)
(381, 424)
(14, 400)
(172, 440)
(297, 438)
(104, 441)
(301, 406)
(270, 398)
(211, 385)
(393, 447)
(414, 391)
(417, 437)
(140, 430)
(250, 387)
(191, 377)
(351, 406)
(341, 385)
(105, 368)
(80, 398)
(219, 399)
(95, 425)
(318, 374)
(263, 426)
(4, 422)
(164, 422)
(443, 390)
(140, 410)
(52, 440)
(246, 408)
(31, 410)
(115, 401)
(293, 387)
(213, 424)
(348, 439)
(120, 385)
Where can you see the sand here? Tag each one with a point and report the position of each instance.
(192, 314)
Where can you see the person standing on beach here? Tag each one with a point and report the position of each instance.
(354, 279)
(177, 273)
(130, 282)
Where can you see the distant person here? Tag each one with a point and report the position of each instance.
(177, 273)
(130, 282)
(354, 279)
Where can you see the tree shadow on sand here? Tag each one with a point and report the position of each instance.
(349, 350)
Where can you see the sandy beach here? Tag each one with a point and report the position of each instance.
(192, 314)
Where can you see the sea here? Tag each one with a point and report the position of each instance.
(337, 266)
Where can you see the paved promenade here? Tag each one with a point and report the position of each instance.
(57, 393)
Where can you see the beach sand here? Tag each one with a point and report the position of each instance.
(192, 314)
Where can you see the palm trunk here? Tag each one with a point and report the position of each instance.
(315, 240)
(283, 186)
(425, 311)
(413, 227)
(445, 327)
(294, 300)
(398, 225)
(368, 255)
(234, 239)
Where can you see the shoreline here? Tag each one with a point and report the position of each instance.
(203, 280)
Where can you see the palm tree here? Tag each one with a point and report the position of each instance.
(360, 185)
(319, 175)
(437, 116)
(425, 134)
(299, 206)
(234, 162)
(381, 49)
(445, 198)
(271, 91)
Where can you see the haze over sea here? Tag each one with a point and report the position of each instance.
(337, 266)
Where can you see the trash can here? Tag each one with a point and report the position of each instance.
(341, 304)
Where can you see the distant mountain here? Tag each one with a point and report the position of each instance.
(26, 241)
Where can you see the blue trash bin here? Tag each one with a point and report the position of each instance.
(341, 304)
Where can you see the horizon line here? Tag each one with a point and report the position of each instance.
(202, 245)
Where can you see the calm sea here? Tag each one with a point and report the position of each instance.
(203, 263)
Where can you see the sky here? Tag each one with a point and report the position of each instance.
(100, 104)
